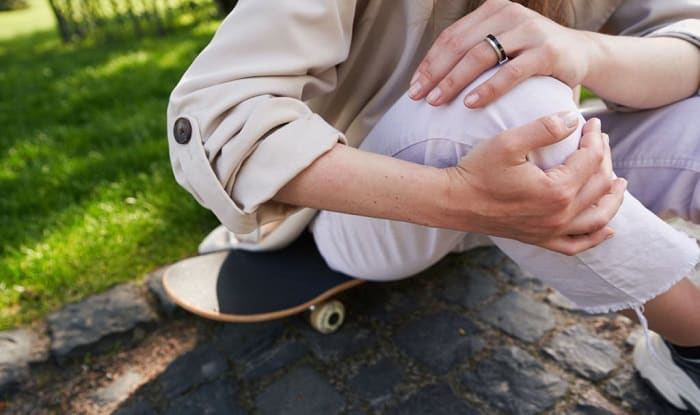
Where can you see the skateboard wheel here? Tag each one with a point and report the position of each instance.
(327, 317)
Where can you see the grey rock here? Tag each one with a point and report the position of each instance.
(517, 276)
(515, 382)
(556, 298)
(203, 364)
(633, 394)
(301, 392)
(384, 302)
(15, 355)
(81, 325)
(135, 407)
(211, 399)
(467, 287)
(434, 400)
(117, 390)
(263, 362)
(519, 316)
(350, 339)
(593, 403)
(586, 409)
(440, 341)
(154, 282)
(581, 351)
(376, 383)
(22, 345)
(248, 339)
(11, 376)
(488, 257)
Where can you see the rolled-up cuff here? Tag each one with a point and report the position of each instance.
(277, 159)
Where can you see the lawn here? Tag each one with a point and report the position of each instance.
(87, 197)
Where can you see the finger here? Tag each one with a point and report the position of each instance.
(592, 191)
(574, 245)
(450, 46)
(578, 168)
(599, 184)
(598, 216)
(475, 62)
(591, 125)
(518, 142)
(506, 78)
(607, 169)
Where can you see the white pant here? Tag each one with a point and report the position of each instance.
(646, 256)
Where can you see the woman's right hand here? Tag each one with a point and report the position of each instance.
(565, 209)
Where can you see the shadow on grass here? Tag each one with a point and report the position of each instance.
(88, 198)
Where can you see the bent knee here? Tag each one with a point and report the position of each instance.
(533, 98)
(439, 136)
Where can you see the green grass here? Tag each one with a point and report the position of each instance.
(87, 197)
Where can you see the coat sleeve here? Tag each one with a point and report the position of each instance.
(656, 18)
(238, 127)
(653, 18)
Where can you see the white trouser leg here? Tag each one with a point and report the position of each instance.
(645, 258)
(658, 152)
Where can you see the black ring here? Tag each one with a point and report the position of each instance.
(496, 45)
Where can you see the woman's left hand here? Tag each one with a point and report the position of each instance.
(534, 44)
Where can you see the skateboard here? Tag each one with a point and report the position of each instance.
(243, 286)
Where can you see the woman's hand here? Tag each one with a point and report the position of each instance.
(565, 209)
(494, 190)
(534, 44)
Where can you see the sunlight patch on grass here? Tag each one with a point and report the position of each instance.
(19, 22)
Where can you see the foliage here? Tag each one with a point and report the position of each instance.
(6, 5)
(88, 198)
(109, 19)
(225, 6)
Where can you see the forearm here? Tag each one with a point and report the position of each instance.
(352, 181)
(642, 72)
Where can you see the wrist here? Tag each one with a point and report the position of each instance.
(595, 49)
(453, 209)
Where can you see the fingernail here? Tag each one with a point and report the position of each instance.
(570, 118)
(606, 138)
(415, 78)
(471, 99)
(414, 90)
(610, 236)
(434, 95)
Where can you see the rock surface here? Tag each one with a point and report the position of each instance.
(579, 350)
(82, 325)
(515, 382)
(519, 316)
(119, 389)
(471, 335)
(440, 342)
(301, 392)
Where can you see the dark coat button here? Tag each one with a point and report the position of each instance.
(182, 130)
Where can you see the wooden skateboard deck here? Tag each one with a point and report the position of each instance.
(243, 286)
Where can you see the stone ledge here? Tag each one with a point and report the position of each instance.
(96, 322)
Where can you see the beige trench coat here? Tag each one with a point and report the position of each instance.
(282, 81)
